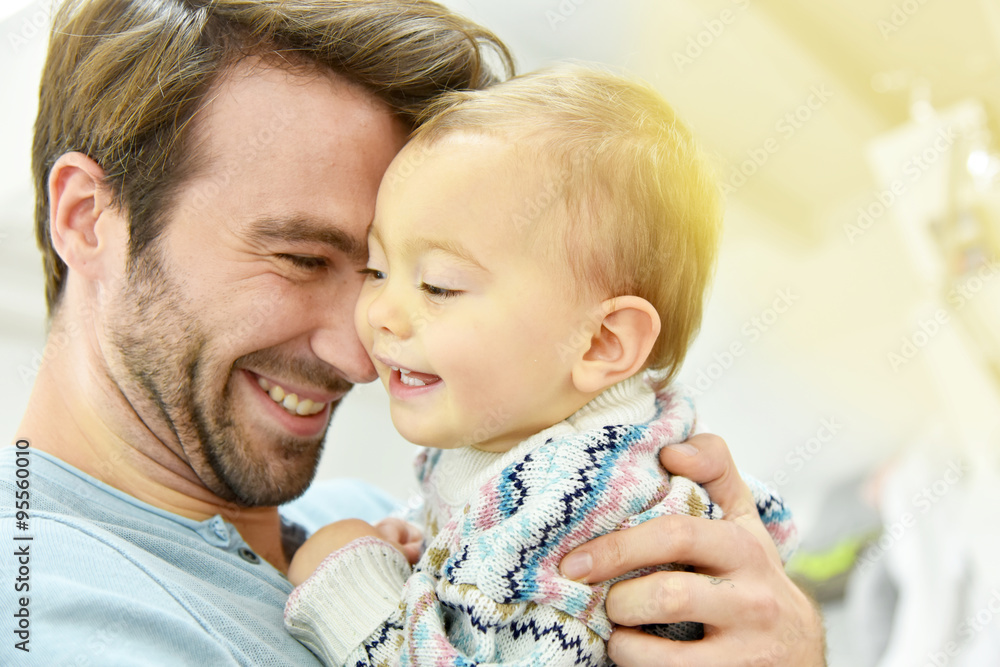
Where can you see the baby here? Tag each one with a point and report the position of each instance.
(538, 263)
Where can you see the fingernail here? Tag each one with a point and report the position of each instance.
(684, 448)
(577, 566)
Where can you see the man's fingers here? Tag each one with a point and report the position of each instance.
(636, 648)
(640, 649)
(712, 466)
(674, 597)
(792, 644)
(713, 547)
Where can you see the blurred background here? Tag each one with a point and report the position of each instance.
(851, 350)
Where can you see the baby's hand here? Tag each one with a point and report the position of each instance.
(324, 542)
(404, 536)
(401, 535)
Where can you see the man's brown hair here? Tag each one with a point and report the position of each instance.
(124, 79)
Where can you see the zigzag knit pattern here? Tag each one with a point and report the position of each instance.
(487, 590)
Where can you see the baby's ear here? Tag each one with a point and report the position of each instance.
(621, 345)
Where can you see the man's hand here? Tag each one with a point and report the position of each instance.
(753, 613)
(406, 538)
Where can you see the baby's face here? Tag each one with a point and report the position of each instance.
(472, 331)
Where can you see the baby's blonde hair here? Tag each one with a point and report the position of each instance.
(644, 209)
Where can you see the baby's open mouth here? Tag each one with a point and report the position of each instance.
(414, 378)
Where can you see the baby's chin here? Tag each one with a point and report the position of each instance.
(423, 437)
(438, 440)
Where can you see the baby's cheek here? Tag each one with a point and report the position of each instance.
(361, 324)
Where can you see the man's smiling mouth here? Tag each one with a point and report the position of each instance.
(290, 402)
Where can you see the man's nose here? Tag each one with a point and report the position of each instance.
(335, 340)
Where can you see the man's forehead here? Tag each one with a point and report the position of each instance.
(258, 102)
(288, 157)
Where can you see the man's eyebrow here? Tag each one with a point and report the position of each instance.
(308, 230)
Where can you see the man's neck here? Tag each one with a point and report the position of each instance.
(79, 418)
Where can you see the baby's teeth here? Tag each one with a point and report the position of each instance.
(276, 393)
(410, 382)
(291, 402)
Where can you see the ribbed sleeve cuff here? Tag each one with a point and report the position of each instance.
(347, 598)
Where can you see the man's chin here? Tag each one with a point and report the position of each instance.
(271, 481)
(269, 493)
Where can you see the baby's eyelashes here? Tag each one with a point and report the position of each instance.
(440, 292)
(425, 287)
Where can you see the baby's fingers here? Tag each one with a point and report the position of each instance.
(402, 534)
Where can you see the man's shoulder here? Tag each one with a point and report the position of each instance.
(109, 577)
(49, 490)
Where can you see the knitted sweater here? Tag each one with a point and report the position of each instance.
(487, 589)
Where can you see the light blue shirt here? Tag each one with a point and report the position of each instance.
(115, 581)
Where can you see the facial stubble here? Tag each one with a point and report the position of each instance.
(177, 378)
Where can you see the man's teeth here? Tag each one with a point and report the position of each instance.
(290, 402)
(404, 377)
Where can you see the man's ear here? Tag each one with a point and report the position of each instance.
(87, 230)
(620, 346)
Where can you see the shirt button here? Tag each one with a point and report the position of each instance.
(219, 528)
(248, 556)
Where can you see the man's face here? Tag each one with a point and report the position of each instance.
(233, 339)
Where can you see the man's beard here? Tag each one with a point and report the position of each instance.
(167, 355)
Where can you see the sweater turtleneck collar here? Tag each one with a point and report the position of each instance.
(631, 401)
